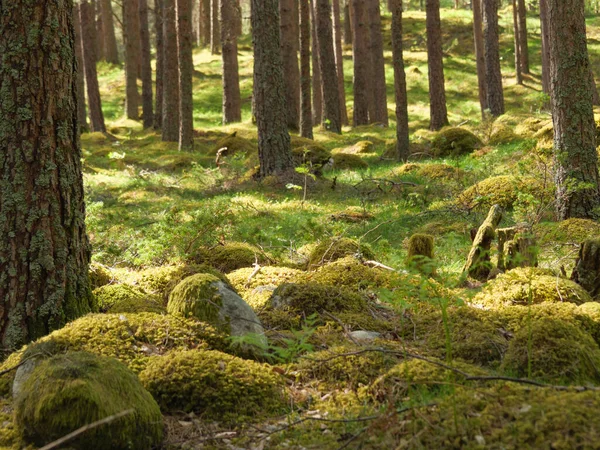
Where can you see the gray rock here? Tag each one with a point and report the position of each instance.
(364, 336)
(22, 375)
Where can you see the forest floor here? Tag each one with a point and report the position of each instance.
(449, 365)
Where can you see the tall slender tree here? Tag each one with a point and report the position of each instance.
(160, 57)
(215, 32)
(274, 144)
(306, 123)
(518, 61)
(81, 108)
(88, 34)
(347, 23)
(317, 106)
(491, 43)
(545, 46)
(44, 252)
(147, 101)
(288, 26)
(402, 135)
(523, 44)
(360, 54)
(111, 52)
(231, 16)
(132, 57)
(479, 54)
(339, 60)
(99, 30)
(576, 159)
(186, 70)
(379, 113)
(205, 23)
(170, 111)
(435, 61)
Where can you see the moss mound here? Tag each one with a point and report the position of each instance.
(235, 144)
(524, 286)
(358, 148)
(347, 272)
(530, 126)
(454, 141)
(570, 231)
(502, 134)
(257, 290)
(442, 172)
(122, 298)
(66, 392)
(231, 256)
(99, 275)
(214, 384)
(555, 351)
(314, 155)
(502, 190)
(589, 313)
(343, 161)
(332, 249)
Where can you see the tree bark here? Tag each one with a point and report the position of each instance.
(360, 53)
(274, 146)
(435, 60)
(331, 100)
(306, 123)
(518, 70)
(316, 68)
(493, 74)
(185, 40)
(479, 54)
(576, 160)
(160, 57)
(523, 44)
(44, 253)
(231, 16)
(215, 32)
(170, 110)
(380, 112)
(402, 133)
(81, 108)
(339, 60)
(88, 33)
(111, 52)
(132, 57)
(205, 23)
(288, 29)
(347, 23)
(99, 30)
(147, 101)
(545, 46)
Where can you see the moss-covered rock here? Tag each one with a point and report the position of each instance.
(99, 275)
(231, 256)
(123, 298)
(347, 272)
(9, 436)
(258, 289)
(589, 314)
(214, 384)
(332, 249)
(501, 190)
(502, 134)
(443, 172)
(68, 391)
(554, 351)
(524, 286)
(358, 148)
(452, 141)
(530, 126)
(235, 145)
(570, 231)
(344, 161)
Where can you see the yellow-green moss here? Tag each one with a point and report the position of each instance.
(121, 298)
(332, 249)
(231, 256)
(420, 252)
(502, 134)
(440, 172)
(99, 275)
(530, 126)
(347, 272)
(259, 288)
(344, 161)
(555, 350)
(66, 392)
(9, 437)
(524, 286)
(235, 144)
(454, 142)
(196, 296)
(352, 214)
(313, 155)
(215, 385)
(502, 190)
(570, 231)
(359, 147)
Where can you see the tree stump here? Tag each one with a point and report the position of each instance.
(516, 248)
(420, 253)
(479, 264)
(587, 267)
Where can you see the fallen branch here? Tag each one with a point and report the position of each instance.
(379, 265)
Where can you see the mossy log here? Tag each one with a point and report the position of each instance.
(479, 264)
(587, 267)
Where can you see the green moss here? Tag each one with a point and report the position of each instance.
(99, 275)
(420, 252)
(214, 384)
(524, 286)
(257, 290)
(589, 314)
(196, 296)
(502, 190)
(347, 272)
(440, 172)
(570, 231)
(358, 148)
(121, 298)
(235, 144)
(530, 126)
(332, 249)
(344, 161)
(231, 256)
(66, 392)
(555, 350)
(454, 142)
(502, 134)
(9, 437)
(314, 155)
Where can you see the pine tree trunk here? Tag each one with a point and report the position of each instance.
(331, 100)
(215, 32)
(288, 28)
(274, 146)
(205, 22)
(231, 16)
(306, 123)
(480, 54)
(576, 160)
(380, 112)
(339, 60)
(170, 111)
(545, 46)
(186, 71)
(402, 133)
(132, 56)
(88, 33)
(523, 45)
(44, 253)
(147, 101)
(160, 56)
(435, 61)
(317, 107)
(518, 70)
(111, 52)
(493, 74)
(360, 54)
(347, 23)
(81, 108)
(100, 54)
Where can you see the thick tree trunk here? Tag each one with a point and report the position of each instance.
(170, 111)
(331, 100)
(518, 70)
(339, 60)
(523, 44)
(274, 146)
(44, 253)
(147, 101)
(186, 71)
(493, 74)
(231, 16)
(215, 32)
(316, 69)
(132, 57)
(111, 52)
(347, 23)
(479, 54)
(402, 135)
(435, 61)
(160, 56)
(306, 123)
(81, 108)
(88, 33)
(288, 13)
(362, 62)
(379, 109)
(545, 46)
(576, 160)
